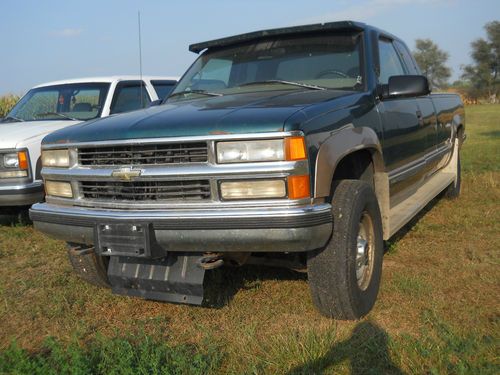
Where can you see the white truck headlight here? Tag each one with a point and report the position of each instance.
(55, 158)
(11, 160)
(18, 162)
(253, 189)
(58, 189)
(251, 151)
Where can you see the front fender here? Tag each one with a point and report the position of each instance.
(339, 144)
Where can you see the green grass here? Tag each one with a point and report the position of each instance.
(111, 356)
(437, 311)
(482, 153)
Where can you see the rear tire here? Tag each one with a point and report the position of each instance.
(88, 265)
(344, 277)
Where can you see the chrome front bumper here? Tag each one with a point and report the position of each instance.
(269, 229)
(21, 195)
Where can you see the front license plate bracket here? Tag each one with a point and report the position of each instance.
(123, 239)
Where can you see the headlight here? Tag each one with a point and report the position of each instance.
(59, 189)
(290, 148)
(250, 151)
(55, 158)
(11, 160)
(18, 160)
(253, 189)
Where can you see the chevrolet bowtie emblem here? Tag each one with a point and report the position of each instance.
(126, 174)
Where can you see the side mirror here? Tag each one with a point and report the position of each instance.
(156, 102)
(405, 86)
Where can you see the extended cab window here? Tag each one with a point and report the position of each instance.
(130, 96)
(390, 64)
(163, 88)
(327, 60)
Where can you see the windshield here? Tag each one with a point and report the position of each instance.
(76, 101)
(329, 60)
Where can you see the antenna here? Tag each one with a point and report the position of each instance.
(140, 56)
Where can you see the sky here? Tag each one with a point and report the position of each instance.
(50, 40)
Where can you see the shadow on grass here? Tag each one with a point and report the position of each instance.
(366, 351)
(492, 134)
(13, 216)
(221, 285)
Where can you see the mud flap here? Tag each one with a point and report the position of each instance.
(176, 278)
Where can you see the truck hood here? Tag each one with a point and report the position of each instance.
(18, 134)
(255, 112)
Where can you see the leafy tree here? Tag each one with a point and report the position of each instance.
(432, 61)
(484, 75)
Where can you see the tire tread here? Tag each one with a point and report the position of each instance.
(329, 268)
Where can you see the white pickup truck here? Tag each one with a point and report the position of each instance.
(55, 105)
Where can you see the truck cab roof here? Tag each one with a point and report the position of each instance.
(291, 30)
(107, 79)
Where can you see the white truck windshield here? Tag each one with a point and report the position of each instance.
(76, 101)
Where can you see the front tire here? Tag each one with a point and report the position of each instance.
(344, 277)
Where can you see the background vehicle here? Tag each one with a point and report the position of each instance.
(306, 146)
(56, 105)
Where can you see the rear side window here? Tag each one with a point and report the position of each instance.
(130, 96)
(163, 88)
(408, 60)
(390, 64)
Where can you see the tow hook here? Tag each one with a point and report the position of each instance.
(210, 261)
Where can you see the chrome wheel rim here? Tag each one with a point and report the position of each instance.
(364, 251)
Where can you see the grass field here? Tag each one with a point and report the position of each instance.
(438, 310)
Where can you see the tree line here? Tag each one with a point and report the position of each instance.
(481, 79)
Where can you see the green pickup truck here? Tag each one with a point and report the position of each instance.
(305, 147)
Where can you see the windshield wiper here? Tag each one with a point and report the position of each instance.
(279, 81)
(202, 92)
(12, 118)
(56, 114)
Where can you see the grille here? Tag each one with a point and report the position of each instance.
(146, 190)
(170, 153)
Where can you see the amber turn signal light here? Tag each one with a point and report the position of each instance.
(295, 148)
(23, 160)
(298, 187)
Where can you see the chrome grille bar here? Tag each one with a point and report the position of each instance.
(146, 190)
(141, 155)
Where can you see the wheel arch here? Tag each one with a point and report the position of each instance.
(341, 148)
